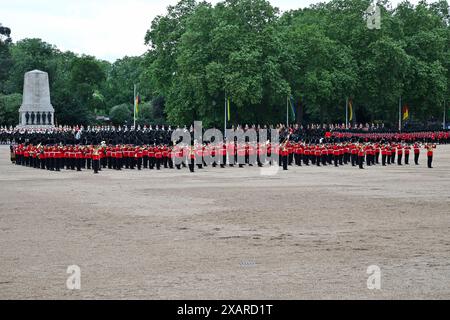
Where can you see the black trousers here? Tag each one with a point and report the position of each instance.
(151, 162)
(383, 160)
(407, 158)
(158, 163)
(306, 160)
(430, 161)
(96, 165)
(416, 158)
(145, 162)
(354, 160)
(361, 162)
(399, 159)
(285, 160)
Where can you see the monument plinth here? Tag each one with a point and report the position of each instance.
(36, 109)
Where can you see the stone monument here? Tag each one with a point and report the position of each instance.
(36, 109)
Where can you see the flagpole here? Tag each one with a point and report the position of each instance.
(400, 114)
(287, 111)
(134, 108)
(445, 111)
(346, 113)
(225, 118)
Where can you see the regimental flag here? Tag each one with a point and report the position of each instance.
(292, 104)
(405, 112)
(137, 101)
(228, 109)
(350, 110)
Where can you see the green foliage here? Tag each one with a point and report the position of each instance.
(9, 106)
(27, 55)
(5, 55)
(152, 112)
(243, 49)
(121, 114)
(122, 76)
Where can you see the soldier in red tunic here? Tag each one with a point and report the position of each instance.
(139, 154)
(407, 152)
(399, 154)
(416, 153)
(191, 157)
(284, 155)
(96, 159)
(361, 154)
(151, 157)
(430, 148)
(158, 157)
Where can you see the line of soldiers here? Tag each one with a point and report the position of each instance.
(68, 135)
(440, 137)
(148, 135)
(288, 153)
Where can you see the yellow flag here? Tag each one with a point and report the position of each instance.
(350, 110)
(137, 100)
(405, 112)
(228, 109)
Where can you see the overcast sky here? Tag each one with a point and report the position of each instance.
(107, 29)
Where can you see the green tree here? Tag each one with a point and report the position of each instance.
(9, 109)
(121, 114)
(27, 55)
(121, 78)
(5, 55)
(86, 77)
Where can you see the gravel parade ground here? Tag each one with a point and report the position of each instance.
(308, 233)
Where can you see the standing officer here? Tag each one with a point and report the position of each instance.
(191, 159)
(430, 148)
(96, 159)
(399, 154)
(416, 153)
(407, 152)
(361, 155)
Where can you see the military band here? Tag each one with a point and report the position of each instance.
(217, 155)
